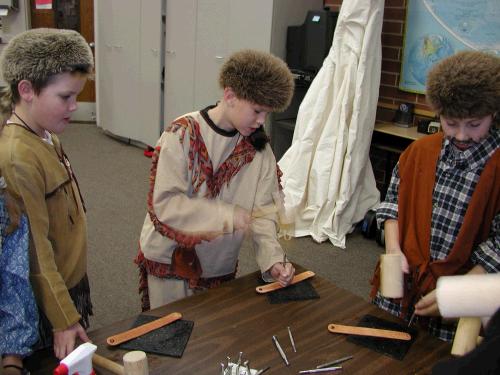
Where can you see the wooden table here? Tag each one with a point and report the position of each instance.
(234, 318)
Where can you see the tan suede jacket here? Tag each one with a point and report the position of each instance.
(44, 187)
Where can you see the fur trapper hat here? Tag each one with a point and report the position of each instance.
(465, 85)
(260, 78)
(37, 54)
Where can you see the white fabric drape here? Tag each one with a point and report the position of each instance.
(327, 175)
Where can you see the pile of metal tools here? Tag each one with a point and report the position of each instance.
(242, 367)
(325, 367)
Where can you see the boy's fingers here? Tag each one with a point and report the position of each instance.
(431, 309)
(83, 336)
(427, 305)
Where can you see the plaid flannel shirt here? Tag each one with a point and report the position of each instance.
(457, 174)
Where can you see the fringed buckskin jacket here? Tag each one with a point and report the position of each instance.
(40, 179)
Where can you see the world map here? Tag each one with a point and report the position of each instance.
(436, 29)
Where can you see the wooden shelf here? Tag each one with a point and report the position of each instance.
(391, 129)
(417, 111)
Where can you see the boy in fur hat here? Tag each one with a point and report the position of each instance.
(45, 70)
(442, 209)
(211, 169)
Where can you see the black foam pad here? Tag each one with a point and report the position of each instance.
(296, 292)
(393, 348)
(169, 340)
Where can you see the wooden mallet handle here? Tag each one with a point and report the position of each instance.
(364, 331)
(107, 364)
(143, 329)
(276, 285)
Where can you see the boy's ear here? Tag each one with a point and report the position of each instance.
(26, 90)
(229, 96)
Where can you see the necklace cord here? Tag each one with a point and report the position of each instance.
(24, 123)
(63, 159)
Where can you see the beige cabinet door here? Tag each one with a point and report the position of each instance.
(128, 45)
(180, 43)
(212, 49)
(147, 130)
(117, 45)
(126, 60)
(104, 64)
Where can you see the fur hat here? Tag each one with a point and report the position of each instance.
(37, 54)
(260, 78)
(465, 85)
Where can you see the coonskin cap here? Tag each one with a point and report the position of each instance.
(260, 78)
(37, 54)
(465, 85)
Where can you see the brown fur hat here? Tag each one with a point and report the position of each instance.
(260, 78)
(465, 85)
(37, 54)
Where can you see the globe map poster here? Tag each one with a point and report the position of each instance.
(436, 29)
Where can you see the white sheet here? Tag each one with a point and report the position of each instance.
(327, 174)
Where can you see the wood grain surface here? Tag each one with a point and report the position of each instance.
(234, 318)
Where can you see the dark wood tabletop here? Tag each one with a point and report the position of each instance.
(234, 318)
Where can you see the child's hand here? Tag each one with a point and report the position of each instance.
(64, 341)
(241, 218)
(404, 262)
(428, 305)
(282, 273)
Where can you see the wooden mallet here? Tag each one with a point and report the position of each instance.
(134, 363)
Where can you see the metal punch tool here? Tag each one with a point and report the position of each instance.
(335, 362)
(318, 370)
(261, 371)
(291, 340)
(280, 350)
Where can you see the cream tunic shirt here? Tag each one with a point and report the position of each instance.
(176, 205)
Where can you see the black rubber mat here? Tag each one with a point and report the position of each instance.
(393, 348)
(296, 292)
(169, 340)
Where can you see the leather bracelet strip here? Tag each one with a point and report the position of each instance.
(276, 285)
(143, 329)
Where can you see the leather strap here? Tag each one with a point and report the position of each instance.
(143, 329)
(276, 285)
(364, 331)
